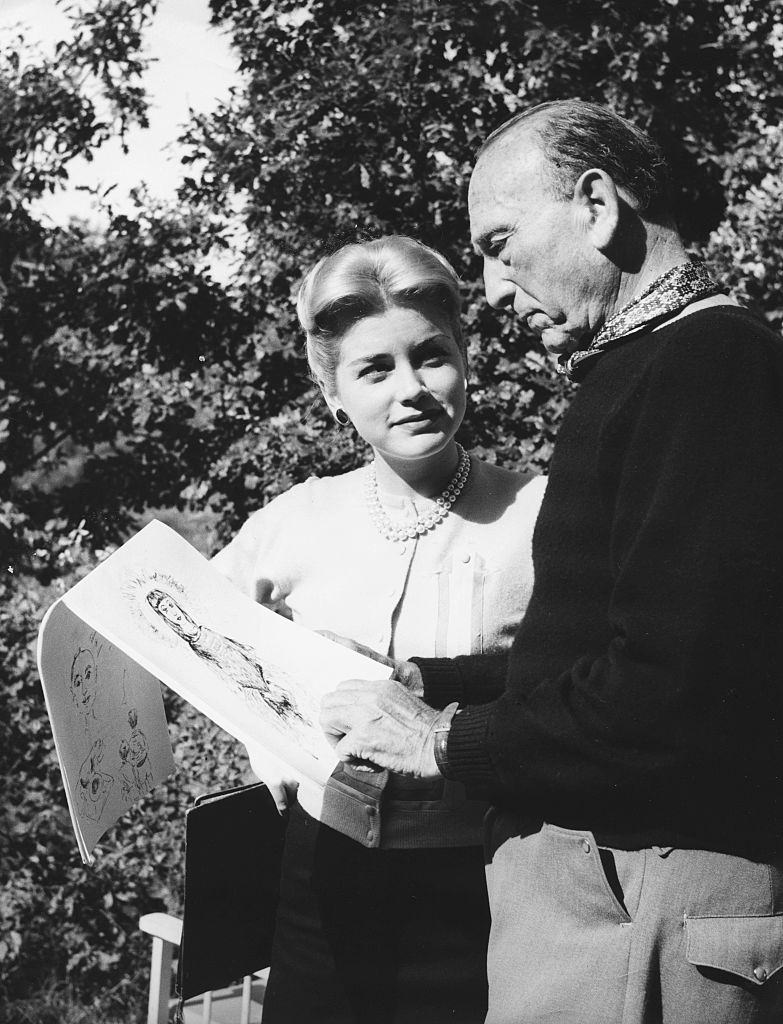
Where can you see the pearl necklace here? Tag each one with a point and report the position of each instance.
(423, 523)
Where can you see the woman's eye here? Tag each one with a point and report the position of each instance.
(434, 355)
(373, 373)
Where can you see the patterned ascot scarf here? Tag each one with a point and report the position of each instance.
(667, 295)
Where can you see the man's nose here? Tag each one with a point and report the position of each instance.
(498, 289)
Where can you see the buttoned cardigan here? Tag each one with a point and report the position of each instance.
(314, 555)
(642, 698)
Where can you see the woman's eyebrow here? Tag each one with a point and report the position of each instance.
(435, 336)
(378, 357)
(374, 357)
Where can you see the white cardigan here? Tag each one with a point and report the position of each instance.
(314, 555)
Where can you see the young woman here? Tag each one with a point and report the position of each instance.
(383, 911)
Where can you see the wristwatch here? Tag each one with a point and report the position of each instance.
(441, 734)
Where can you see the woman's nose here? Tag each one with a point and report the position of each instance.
(410, 384)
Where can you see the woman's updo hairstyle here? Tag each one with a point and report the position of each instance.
(364, 279)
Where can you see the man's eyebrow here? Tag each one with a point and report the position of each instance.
(484, 242)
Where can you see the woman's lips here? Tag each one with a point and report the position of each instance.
(419, 417)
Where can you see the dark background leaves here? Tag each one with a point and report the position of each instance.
(134, 383)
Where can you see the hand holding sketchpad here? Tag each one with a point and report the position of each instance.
(157, 610)
(233, 849)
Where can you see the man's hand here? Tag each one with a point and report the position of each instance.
(404, 672)
(384, 723)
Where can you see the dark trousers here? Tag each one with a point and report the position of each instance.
(388, 936)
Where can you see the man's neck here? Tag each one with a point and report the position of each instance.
(664, 251)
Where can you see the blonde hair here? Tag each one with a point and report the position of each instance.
(364, 279)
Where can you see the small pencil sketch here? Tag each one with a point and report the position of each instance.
(128, 788)
(139, 754)
(84, 685)
(234, 662)
(94, 786)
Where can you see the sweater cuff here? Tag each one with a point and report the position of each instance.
(352, 804)
(442, 681)
(468, 751)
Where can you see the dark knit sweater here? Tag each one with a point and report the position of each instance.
(644, 693)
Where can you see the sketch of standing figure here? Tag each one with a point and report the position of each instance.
(127, 779)
(139, 754)
(235, 662)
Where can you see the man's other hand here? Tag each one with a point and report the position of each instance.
(404, 672)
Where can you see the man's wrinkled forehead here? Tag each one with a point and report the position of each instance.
(506, 177)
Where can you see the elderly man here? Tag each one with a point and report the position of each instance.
(634, 751)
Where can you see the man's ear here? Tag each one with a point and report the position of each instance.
(598, 207)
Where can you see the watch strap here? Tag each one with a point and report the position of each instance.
(441, 735)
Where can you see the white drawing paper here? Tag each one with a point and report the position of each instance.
(108, 722)
(158, 602)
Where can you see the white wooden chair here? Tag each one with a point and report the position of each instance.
(238, 1005)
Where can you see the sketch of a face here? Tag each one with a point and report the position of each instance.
(174, 616)
(84, 680)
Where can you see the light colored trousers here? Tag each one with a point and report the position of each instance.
(588, 936)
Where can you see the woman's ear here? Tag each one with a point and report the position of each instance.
(333, 402)
(597, 204)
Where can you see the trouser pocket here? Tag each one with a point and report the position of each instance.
(595, 890)
(750, 948)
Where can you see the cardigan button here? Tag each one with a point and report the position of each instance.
(585, 845)
(466, 557)
(759, 973)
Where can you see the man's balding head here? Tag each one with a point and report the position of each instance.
(569, 209)
(573, 136)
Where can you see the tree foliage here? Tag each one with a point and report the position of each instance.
(364, 114)
(133, 382)
(92, 326)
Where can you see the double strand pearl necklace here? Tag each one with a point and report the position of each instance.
(423, 523)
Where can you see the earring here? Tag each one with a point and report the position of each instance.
(342, 417)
